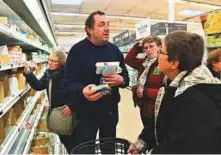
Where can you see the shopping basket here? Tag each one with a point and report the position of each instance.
(103, 146)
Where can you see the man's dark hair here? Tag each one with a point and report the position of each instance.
(89, 23)
(185, 47)
(151, 39)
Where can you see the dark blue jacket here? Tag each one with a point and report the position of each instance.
(59, 95)
(81, 70)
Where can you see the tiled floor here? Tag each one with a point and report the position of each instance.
(129, 126)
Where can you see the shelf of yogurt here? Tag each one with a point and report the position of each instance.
(11, 32)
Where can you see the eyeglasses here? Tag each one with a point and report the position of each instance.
(53, 61)
(163, 53)
(148, 48)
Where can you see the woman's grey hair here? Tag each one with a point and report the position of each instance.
(61, 56)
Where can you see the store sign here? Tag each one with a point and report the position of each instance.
(176, 26)
(165, 28)
(133, 37)
(211, 22)
(159, 29)
(143, 29)
(122, 38)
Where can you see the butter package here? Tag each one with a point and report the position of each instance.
(108, 68)
(104, 89)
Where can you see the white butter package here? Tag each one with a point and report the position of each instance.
(108, 68)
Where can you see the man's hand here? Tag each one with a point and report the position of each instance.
(91, 94)
(113, 80)
(66, 111)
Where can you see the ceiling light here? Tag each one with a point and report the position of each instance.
(83, 26)
(68, 26)
(73, 2)
(65, 32)
(191, 13)
(86, 15)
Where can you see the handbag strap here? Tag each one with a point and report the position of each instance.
(49, 90)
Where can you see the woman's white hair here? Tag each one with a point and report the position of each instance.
(61, 55)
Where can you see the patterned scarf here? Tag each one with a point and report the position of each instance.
(143, 77)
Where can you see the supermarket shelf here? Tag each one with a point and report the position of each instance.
(215, 46)
(11, 137)
(11, 66)
(213, 33)
(33, 131)
(12, 37)
(22, 10)
(11, 100)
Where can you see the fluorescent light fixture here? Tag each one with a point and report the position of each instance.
(86, 15)
(72, 2)
(82, 26)
(68, 26)
(70, 33)
(39, 16)
(190, 13)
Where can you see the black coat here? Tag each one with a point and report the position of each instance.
(59, 94)
(189, 123)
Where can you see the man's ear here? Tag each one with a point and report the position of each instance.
(89, 30)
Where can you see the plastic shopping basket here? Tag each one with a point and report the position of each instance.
(103, 146)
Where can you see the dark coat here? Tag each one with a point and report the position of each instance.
(189, 123)
(59, 95)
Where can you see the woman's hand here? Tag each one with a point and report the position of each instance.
(27, 69)
(66, 111)
(140, 92)
(132, 149)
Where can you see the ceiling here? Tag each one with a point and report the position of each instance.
(72, 22)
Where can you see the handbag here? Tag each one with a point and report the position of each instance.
(57, 123)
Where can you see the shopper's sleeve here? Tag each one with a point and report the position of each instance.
(193, 126)
(124, 72)
(74, 78)
(131, 59)
(35, 83)
(147, 134)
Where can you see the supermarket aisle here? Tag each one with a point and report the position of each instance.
(129, 125)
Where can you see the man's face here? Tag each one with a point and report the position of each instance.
(99, 33)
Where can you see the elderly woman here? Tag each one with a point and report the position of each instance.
(59, 96)
(187, 112)
(214, 62)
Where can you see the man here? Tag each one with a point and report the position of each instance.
(94, 110)
(149, 77)
(214, 62)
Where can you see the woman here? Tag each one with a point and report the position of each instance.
(149, 77)
(187, 112)
(59, 96)
(214, 62)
